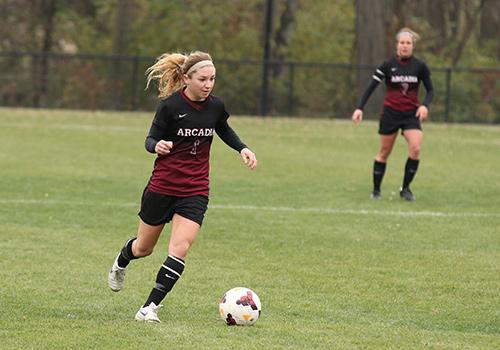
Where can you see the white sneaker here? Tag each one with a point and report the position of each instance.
(148, 313)
(116, 277)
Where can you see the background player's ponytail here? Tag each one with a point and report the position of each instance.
(169, 69)
(406, 30)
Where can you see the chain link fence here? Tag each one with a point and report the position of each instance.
(308, 90)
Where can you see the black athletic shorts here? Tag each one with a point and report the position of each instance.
(392, 120)
(157, 209)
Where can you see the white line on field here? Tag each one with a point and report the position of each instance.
(264, 208)
(358, 211)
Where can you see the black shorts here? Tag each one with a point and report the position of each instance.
(392, 120)
(158, 209)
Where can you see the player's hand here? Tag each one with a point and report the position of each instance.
(163, 147)
(248, 158)
(357, 116)
(422, 113)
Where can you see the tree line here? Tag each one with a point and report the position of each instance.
(460, 33)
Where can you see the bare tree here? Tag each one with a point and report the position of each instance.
(121, 32)
(47, 9)
(436, 14)
(370, 45)
(455, 18)
(490, 22)
(284, 33)
(281, 45)
(471, 17)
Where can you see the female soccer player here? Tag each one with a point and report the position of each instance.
(402, 75)
(181, 134)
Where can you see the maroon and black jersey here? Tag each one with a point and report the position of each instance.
(190, 126)
(402, 78)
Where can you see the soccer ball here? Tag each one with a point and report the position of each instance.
(240, 307)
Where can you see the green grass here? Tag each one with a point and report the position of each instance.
(333, 269)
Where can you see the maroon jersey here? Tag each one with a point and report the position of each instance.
(402, 78)
(190, 126)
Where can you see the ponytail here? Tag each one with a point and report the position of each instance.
(170, 68)
(167, 71)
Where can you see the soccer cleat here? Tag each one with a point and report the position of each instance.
(375, 195)
(116, 277)
(148, 313)
(406, 194)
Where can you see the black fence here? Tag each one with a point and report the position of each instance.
(107, 82)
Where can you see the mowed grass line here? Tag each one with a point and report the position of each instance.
(69, 181)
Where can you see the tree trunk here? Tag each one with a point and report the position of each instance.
(370, 46)
(123, 19)
(455, 19)
(47, 12)
(284, 33)
(437, 20)
(490, 22)
(471, 20)
(282, 40)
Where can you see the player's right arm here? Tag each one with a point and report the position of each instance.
(154, 142)
(378, 76)
(357, 116)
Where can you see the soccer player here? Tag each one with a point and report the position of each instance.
(181, 134)
(402, 75)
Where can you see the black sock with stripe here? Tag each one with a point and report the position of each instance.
(410, 171)
(169, 273)
(378, 174)
(126, 254)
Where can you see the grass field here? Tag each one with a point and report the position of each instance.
(333, 269)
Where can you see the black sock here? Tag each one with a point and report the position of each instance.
(126, 254)
(410, 171)
(169, 273)
(378, 174)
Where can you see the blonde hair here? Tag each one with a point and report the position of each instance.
(169, 69)
(407, 31)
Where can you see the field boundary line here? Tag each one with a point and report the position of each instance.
(424, 213)
(357, 211)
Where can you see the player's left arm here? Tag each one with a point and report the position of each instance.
(230, 138)
(423, 110)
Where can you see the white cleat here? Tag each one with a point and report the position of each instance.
(116, 277)
(148, 313)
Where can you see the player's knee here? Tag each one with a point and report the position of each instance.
(383, 155)
(142, 251)
(415, 152)
(383, 158)
(180, 248)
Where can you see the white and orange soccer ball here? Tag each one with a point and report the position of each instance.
(240, 306)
